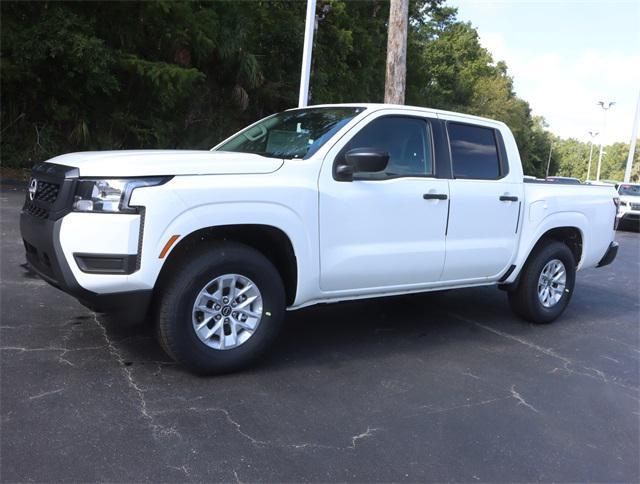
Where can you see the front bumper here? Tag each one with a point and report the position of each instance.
(629, 215)
(41, 222)
(610, 255)
(46, 258)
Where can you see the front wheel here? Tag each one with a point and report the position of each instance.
(222, 309)
(546, 284)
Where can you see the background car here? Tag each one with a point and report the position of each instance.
(629, 211)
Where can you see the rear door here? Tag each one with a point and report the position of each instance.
(486, 199)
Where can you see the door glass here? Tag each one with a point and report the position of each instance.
(474, 153)
(407, 140)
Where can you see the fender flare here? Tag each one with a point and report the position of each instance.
(558, 220)
(269, 214)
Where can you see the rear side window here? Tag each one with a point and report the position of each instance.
(474, 152)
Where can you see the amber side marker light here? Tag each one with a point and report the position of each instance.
(168, 245)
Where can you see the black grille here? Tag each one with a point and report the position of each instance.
(32, 209)
(47, 192)
(53, 194)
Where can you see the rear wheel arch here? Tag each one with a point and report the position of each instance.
(545, 284)
(271, 241)
(571, 236)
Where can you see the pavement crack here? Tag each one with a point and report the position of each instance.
(158, 430)
(45, 394)
(22, 349)
(513, 394)
(465, 405)
(183, 468)
(546, 351)
(623, 343)
(364, 435)
(61, 357)
(568, 366)
(269, 443)
(521, 400)
(235, 424)
(235, 474)
(468, 373)
(611, 359)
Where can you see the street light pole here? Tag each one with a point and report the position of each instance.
(632, 146)
(305, 73)
(605, 107)
(593, 134)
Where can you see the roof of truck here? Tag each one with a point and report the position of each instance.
(379, 106)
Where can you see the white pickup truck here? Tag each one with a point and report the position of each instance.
(315, 205)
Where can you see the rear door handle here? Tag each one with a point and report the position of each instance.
(435, 196)
(508, 198)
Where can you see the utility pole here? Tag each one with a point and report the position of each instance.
(605, 107)
(632, 145)
(593, 134)
(549, 160)
(396, 74)
(309, 28)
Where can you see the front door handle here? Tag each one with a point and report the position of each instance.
(435, 196)
(508, 198)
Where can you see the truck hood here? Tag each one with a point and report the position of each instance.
(629, 198)
(129, 163)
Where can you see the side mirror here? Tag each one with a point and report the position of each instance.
(367, 159)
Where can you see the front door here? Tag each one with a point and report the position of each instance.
(387, 230)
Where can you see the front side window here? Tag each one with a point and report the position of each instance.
(407, 140)
(298, 133)
(474, 152)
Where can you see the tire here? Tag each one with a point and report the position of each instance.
(525, 300)
(225, 263)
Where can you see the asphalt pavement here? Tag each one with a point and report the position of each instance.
(434, 387)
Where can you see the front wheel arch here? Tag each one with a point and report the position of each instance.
(271, 241)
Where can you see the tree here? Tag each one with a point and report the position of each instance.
(165, 74)
(615, 160)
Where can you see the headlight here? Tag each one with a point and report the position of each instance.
(110, 196)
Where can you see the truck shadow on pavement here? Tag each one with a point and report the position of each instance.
(332, 335)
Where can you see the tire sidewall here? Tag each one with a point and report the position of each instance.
(203, 269)
(561, 252)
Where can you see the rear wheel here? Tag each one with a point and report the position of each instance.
(546, 284)
(222, 309)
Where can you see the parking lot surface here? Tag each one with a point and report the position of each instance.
(434, 387)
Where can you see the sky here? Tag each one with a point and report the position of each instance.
(565, 56)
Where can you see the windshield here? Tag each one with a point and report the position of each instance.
(292, 134)
(629, 190)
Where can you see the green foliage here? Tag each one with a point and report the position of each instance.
(614, 162)
(163, 74)
(169, 82)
